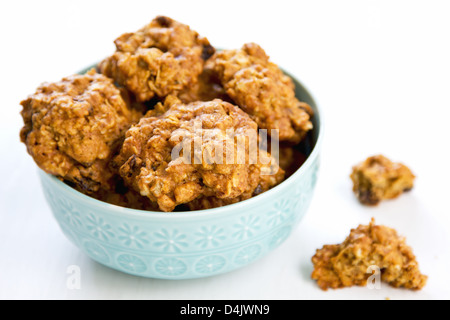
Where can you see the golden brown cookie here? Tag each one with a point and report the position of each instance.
(162, 58)
(73, 127)
(207, 135)
(366, 249)
(378, 178)
(261, 89)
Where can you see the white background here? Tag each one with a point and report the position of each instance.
(380, 70)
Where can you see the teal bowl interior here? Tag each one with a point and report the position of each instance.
(186, 245)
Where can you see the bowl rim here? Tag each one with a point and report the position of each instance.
(216, 212)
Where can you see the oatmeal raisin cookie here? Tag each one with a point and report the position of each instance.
(204, 133)
(162, 58)
(349, 264)
(262, 90)
(378, 178)
(73, 127)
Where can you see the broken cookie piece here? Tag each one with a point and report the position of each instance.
(367, 247)
(378, 178)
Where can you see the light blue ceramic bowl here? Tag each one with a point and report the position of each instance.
(186, 245)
